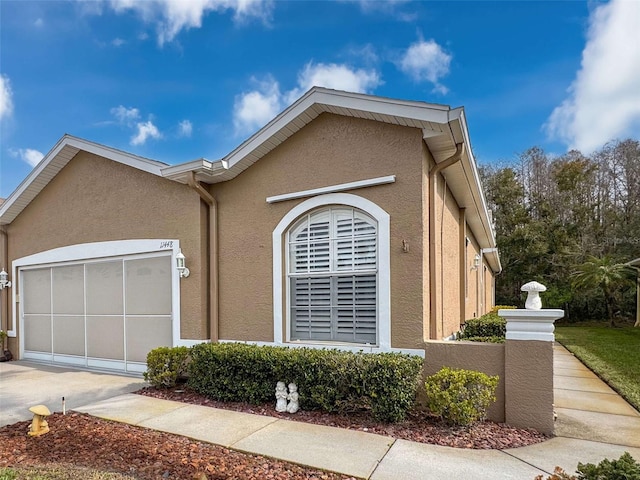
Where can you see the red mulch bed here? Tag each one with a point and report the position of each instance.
(81, 440)
(418, 427)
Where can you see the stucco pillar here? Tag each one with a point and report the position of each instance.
(528, 368)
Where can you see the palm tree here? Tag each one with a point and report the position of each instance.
(605, 275)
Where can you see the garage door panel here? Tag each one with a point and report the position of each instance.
(68, 335)
(105, 337)
(37, 291)
(68, 290)
(104, 288)
(148, 286)
(146, 333)
(37, 333)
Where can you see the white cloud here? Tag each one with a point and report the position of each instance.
(173, 16)
(146, 130)
(185, 128)
(255, 108)
(387, 7)
(39, 22)
(28, 155)
(337, 77)
(118, 42)
(124, 115)
(426, 61)
(603, 102)
(6, 97)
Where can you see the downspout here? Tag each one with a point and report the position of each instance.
(5, 293)
(213, 253)
(433, 275)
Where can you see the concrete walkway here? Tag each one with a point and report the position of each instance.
(593, 423)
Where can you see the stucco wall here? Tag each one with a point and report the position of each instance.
(488, 358)
(93, 199)
(329, 151)
(472, 300)
(529, 389)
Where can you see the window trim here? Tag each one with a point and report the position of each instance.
(281, 329)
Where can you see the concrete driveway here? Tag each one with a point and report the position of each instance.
(24, 384)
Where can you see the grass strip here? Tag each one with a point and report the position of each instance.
(612, 353)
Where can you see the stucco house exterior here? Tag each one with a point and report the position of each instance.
(348, 221)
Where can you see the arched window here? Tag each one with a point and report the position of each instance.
(332, 273)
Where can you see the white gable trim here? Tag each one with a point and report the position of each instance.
(280, 335)
(54, 161)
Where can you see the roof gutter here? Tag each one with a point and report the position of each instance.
(213, 254)
(433, 182)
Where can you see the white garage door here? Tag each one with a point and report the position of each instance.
(101, 314)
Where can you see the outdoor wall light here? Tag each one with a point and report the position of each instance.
(182, 270)
(476, 262)
(4, 280)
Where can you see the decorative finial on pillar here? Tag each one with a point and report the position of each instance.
(533, 289)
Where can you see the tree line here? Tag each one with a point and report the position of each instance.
(557, 217)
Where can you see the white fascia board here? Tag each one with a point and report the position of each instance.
(324, 97)
(333, 188)
(141, 163)
(471, 172)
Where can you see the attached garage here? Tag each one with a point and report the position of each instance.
(104, 312)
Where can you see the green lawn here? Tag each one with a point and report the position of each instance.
(612, 353)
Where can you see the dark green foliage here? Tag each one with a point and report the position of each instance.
(554, 213)
(625, 468)
(488, 325)
(165, 365)
(329, 380)
(460, 397)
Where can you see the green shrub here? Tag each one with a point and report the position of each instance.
(493, 339)
(488, 325)
(165, 365)
(502, 307)
(329, 380)
(460, 397)
(625, 468)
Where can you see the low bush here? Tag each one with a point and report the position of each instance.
(488, 325)
(624, 468)
(493, 339)
(166, 365)
(460, 397)
(502, 307)
(329, 380)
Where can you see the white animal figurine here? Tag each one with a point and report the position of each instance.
(281, 397)
(293, 405)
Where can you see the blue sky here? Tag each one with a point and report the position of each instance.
(176, 80)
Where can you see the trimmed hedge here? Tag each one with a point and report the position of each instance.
(165, 365)
(329, 380)
(488, 325)
(460, 397)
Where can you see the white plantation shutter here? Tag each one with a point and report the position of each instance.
(333, 276)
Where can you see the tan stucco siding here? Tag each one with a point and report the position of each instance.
(450, 321)
(331, 150)
(472, 301)
(93, 199)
